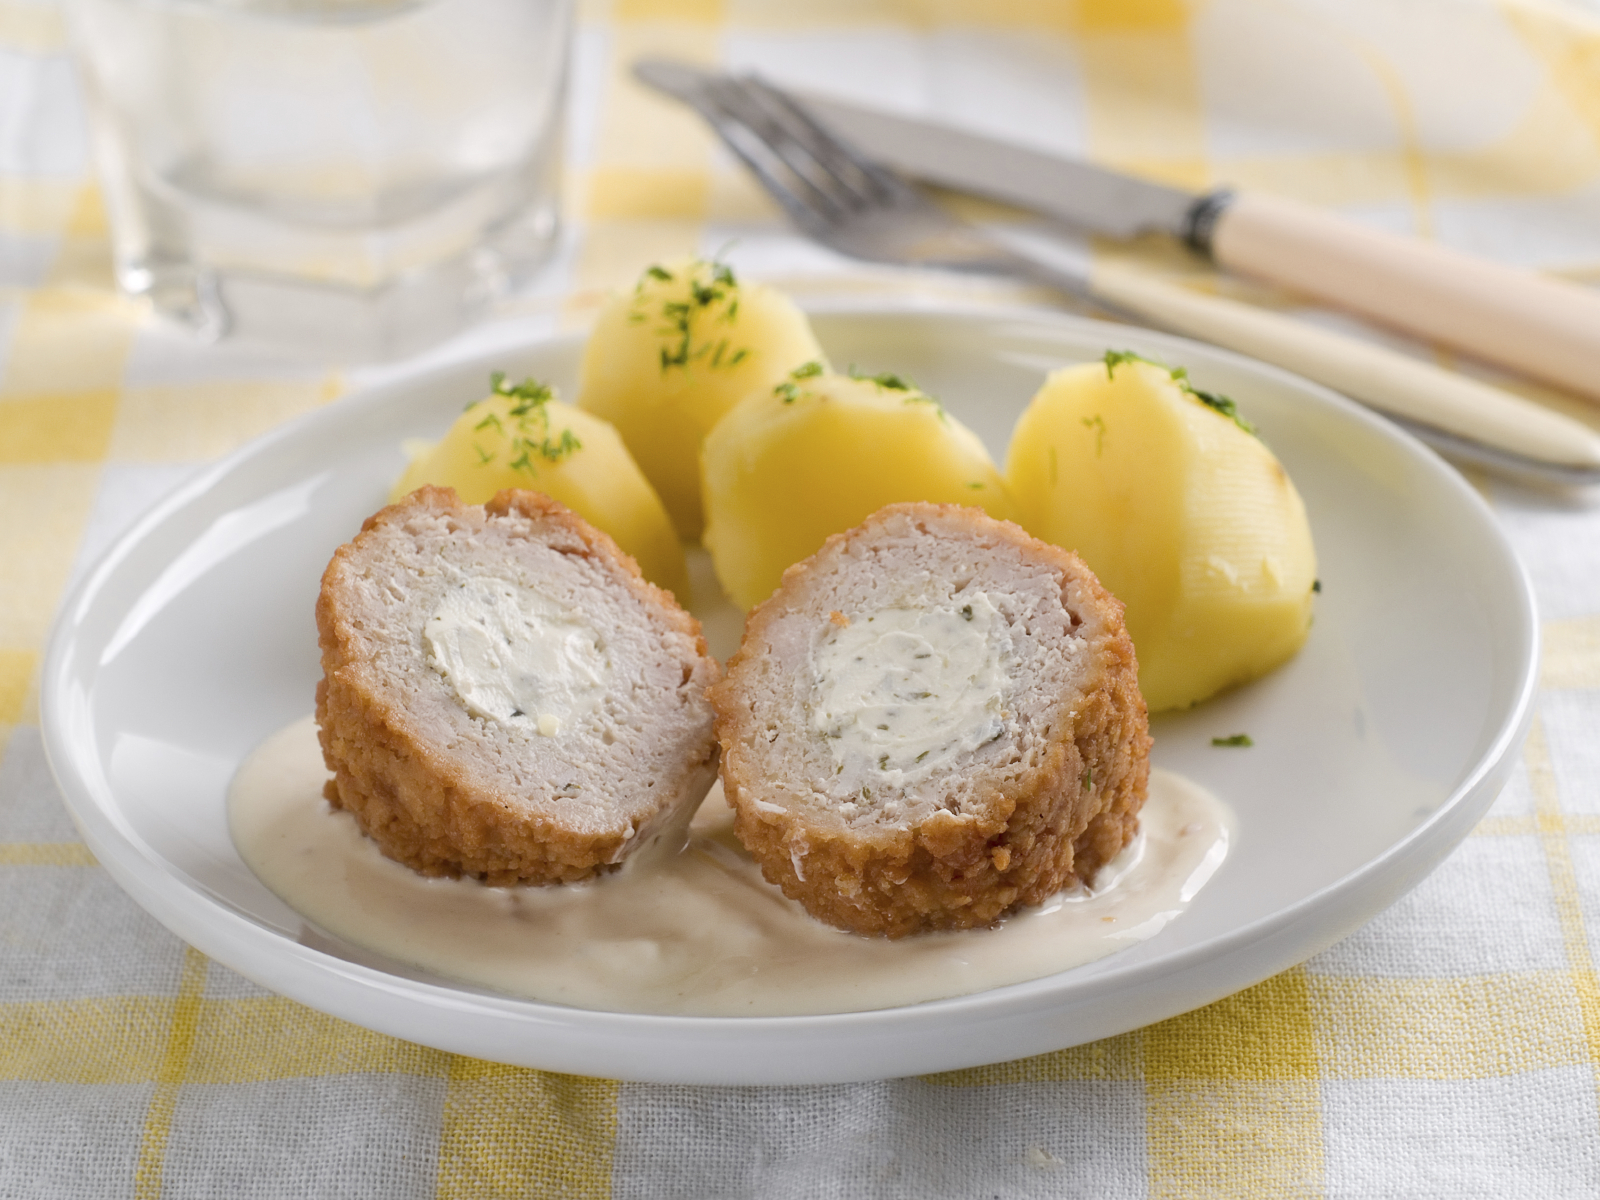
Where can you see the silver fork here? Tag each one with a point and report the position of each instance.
(844, 200)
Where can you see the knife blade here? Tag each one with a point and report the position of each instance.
(1093, 199)
(1465, 418)
(1537, 326)
(1540, 327)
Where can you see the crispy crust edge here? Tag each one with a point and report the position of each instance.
(950, 872)
(418, 803)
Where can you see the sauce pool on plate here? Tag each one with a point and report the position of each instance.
(688, 926)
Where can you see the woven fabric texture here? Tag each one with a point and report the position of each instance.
(1448, 1049)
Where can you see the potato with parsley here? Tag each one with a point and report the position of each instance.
(1183, 513)
(521, 436)
(667, 360)
(817, 455)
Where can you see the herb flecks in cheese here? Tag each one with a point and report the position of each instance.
(902, 692)
(516, 656)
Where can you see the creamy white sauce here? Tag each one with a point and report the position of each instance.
(904, 691)
(514, 655)
(690, 929)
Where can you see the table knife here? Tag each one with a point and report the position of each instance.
(1461, 416)
(1544, 328)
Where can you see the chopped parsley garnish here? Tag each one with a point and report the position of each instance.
(1221, 404)
(711, 299)
(1115, 359)
(896, 383)
(1180, 376)
(1316, 585)
(1238, 739)
(790, 387)
(1095, 423)
(884, 379)
(530, 437)
(529, 392)
(890, 382)
(790, 390)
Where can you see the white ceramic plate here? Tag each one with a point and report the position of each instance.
(1376, 749)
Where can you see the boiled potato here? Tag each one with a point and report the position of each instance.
(1181, 511)
(817, 455)
(666, 360)
(520, 436)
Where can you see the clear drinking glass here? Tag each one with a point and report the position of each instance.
(356, 177)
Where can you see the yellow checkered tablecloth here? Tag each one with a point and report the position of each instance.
(1448, 1049)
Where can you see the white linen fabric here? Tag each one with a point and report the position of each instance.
(1448, 1049)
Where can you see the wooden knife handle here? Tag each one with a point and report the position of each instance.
(1544, 328)
(1375, 376)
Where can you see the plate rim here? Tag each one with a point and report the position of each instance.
(165, 894)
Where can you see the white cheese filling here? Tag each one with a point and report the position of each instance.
(901, 692)
(516, 656)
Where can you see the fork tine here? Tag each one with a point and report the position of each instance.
(808, 147)
(865, 178)
(829, 190)
(807, 205)
(745, 104)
